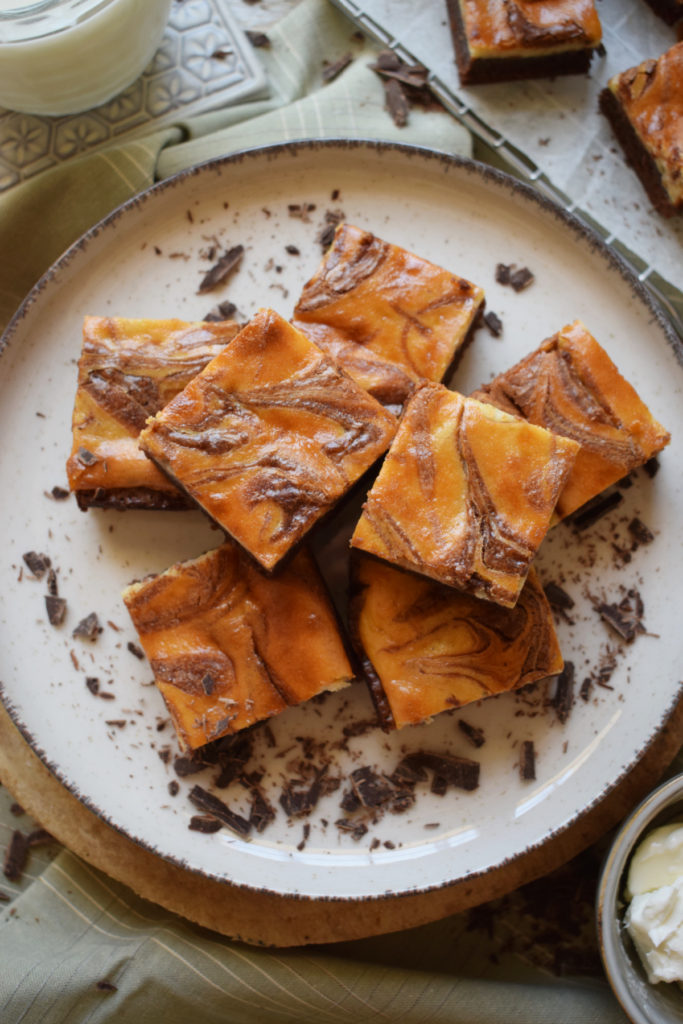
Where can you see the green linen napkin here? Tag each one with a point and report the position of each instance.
(76, 946)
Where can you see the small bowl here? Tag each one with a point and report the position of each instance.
(642, 1002)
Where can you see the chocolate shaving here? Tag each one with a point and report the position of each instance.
(558, 597)
(204, 823)
(209, 803)
(625, 618)
(396, 102)
(37, 564)
(640, 532)
(333, 218)
(509, 274)
(356, 829)
(563, 698)
(223, 311)
(52, 587)
(59, 493)
(521, 279)
(261, 812)
(332, 70)
(221, 270)
(16, 856)
(105, 986)
(301, 211)
(527, 761)
(368, 789)
(651, 467)
(494, 323)
(118, 723)
(297, 801)
(134, 649)
(474, 734)
(184, 766)
(88, 628)
(222, 53)
(174, 787)
(258, 39)
(447, 770)
(292, 250)
(594, 510)
(86, 457)
(389, 65)
(56, 609)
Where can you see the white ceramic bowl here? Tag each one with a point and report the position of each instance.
(642, 1002)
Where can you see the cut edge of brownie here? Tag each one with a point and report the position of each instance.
(636, 154)
(134, 499)
(361, 660)
(483, 70)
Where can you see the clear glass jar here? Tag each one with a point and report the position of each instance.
(65, 56)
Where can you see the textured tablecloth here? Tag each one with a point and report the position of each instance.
(76, 946)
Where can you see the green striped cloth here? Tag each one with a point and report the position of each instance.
(76, 946)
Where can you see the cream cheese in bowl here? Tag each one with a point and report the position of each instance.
(655, 913)
(63, 56)
(640, 909)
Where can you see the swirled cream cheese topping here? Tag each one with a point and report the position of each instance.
(655, 914)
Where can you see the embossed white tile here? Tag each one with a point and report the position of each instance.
(205, 60)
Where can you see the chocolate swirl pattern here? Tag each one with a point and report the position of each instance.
(571, 386)
(218, 632)
(268, 437)
(465, 494)
(427, 648)
(128, 370)
(388, 317)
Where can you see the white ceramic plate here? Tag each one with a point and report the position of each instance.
(147, 260)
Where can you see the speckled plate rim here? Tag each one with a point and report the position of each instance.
(479, 170)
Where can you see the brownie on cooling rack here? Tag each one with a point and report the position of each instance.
(502, 40)
(644, 105)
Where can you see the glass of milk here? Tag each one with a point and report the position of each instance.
(65, 56)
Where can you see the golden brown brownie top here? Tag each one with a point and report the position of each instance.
(428, 648)
(380, 297)
(269, 436)
(571, 386)
(218, 634)
(651, 96)
(128, 370)
(465, 494)
(507, 28)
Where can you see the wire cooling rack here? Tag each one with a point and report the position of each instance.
(496, 148)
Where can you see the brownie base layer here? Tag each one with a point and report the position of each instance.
(636, 154)
(133, 499)
(483, 70)
(668, 10)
